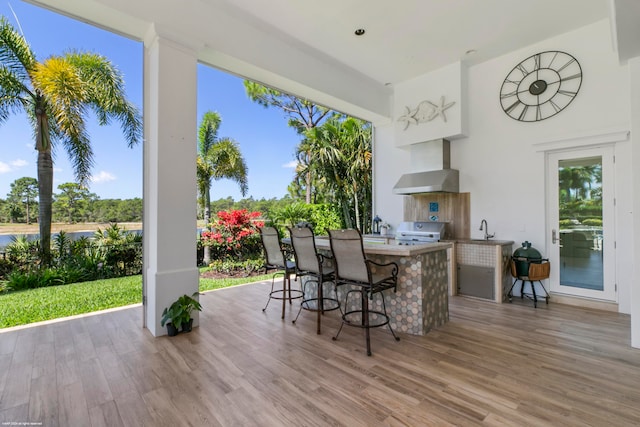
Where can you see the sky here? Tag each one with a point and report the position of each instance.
(266, 142)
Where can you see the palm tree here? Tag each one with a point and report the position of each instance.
(341, 153)
(57, 95)
(217, 158)
(303, 115)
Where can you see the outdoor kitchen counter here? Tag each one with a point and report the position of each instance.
(322, 242)
(425, 276)
(483, 268)
(489, 242)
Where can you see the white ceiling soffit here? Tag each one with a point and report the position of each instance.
(626, 17)
(306, 47)
(407, 38)
(403, 38)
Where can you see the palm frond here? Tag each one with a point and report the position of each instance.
(15, 52)
(227, 161)
(208, 131)
(105, 93)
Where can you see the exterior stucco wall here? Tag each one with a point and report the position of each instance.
(502, 161)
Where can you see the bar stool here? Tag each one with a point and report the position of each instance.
(367, 278)
(314, 266)
(537, 272)
(276, 258)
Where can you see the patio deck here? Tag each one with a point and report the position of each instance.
(492, 364)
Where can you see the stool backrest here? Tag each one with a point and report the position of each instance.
(273, 252)
(348, 254)
(304, 249)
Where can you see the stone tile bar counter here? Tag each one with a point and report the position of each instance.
(421, 301)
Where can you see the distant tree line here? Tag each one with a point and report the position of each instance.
(73, 203)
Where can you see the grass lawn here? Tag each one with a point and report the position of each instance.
(35, 305)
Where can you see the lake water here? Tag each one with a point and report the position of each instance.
(5, 239)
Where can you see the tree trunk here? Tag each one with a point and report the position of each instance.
(308, 179)
(308, 184)
(355, 202)
(45, 188)
(345, 213)
(45, 180)
(206, 260)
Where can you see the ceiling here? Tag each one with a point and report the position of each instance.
(406, 38)
(309, 48)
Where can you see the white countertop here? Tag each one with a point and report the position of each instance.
(392, 249)
(489, 242)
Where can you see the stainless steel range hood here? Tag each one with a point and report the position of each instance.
(430, 170)
(444, 180)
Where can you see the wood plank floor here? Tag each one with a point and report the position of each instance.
(492, 364)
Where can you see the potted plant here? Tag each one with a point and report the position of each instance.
(178, 315)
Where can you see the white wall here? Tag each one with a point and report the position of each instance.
(634, 262)
(440, 87)
(500, 161)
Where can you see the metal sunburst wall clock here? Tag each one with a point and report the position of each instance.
(541, 86)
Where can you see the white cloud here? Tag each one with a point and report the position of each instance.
(12, 165)
(103, 176)
(291, 165)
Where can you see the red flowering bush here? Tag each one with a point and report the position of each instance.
(235, 235)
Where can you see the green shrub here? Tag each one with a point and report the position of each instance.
(228, 266)
(23, 252)
(289, 215)
(565, 223)
(124, 258)
(325, 217)
(593, 222)
(75, 274)
(36, 278)
(6, 267)
(21, 280)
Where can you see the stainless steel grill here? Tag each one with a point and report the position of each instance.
(419, 232)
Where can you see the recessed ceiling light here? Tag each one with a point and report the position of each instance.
(359, 32)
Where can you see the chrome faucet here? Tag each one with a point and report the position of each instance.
(485, 227)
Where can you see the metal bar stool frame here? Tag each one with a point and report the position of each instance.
(277, 258)
(314, 265)
(353, 268)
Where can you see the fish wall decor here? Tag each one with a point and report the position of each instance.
(425, 112)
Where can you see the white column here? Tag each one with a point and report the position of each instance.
(170, 270)
(634, 70)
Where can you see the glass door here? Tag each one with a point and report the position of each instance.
(581, 205)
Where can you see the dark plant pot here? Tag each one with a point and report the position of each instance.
(186, 327)
(172, 331)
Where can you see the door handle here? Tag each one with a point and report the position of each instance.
(554, 237)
